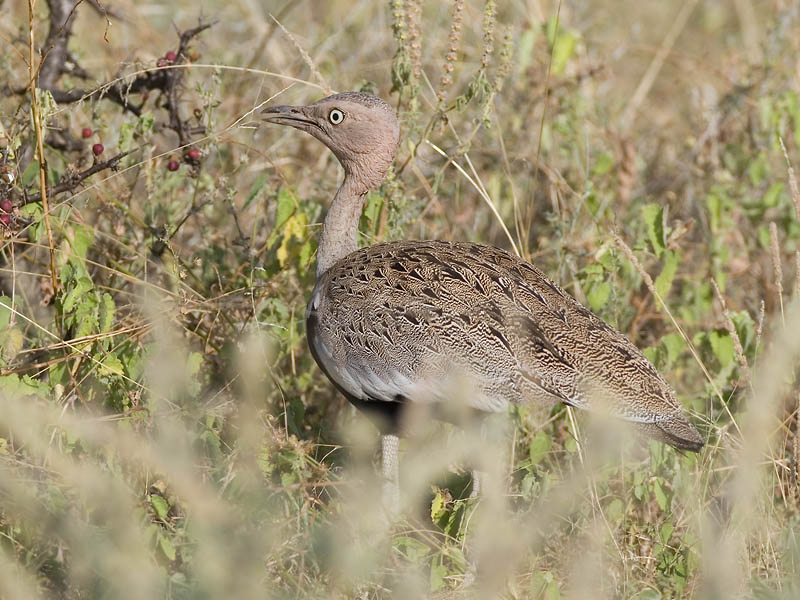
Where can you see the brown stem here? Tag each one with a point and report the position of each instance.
(37, 122)
(70, 182)
(62, 16)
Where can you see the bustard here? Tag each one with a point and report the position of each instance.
(390, 324)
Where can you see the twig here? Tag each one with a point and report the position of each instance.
(797, 276)
(777, 270)
(165, 79)
(37, 123)
(174, 78)
(792, 180)
(54, 58)
(762, 311)
(70, 182)
(306, 58)
(729, 325)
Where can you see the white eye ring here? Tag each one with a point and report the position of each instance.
(335, 116)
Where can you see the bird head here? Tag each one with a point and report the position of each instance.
(360, 129)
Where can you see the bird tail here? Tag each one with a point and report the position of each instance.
(676, 431)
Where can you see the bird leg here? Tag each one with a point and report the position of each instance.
(390, 450)
(477, 476)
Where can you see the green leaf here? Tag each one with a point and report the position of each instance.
(110, 364)
(147, 121)
(437, 504)
(30, 173)
(758, 169)
(595, 269)
(540, 446)
(84, 318)
(615, 510)
(722, 346)
(106, 313)
(285, 208)
(673, 343)
(12, 386)
(525, 50)
(563, 47)
(83, 285)
(306, 252)
(11, 341)
(438, 573)
(295, 228)
(125, 139)
(664, 280)
(160, 506)
(660, 494)
(81, 241)
(652, 354)
(666, 532)
(194, 363)
(414, 550)
(773, 194)
(598, 295)
(257, 186)
(166, 547)
(552, 592)
(654, 218)
(607, 258)
(603, 163)
(372, 210)
(5, 311)
(33, 211)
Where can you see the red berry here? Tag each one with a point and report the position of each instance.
(98, 149)
(193, 153)
(162, 62)
(171, 56)
(5, 220)
(173, 165)
(86, 132)
(5, 205)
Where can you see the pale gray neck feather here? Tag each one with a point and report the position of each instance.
(340, 230)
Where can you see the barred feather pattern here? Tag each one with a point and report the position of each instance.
(426, 321)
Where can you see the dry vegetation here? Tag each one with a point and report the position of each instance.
(163, 429)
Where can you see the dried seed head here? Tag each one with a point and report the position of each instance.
(505, 60)
(452, 50)
(775, 252)
(489, 22)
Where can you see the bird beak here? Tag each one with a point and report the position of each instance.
(294, 116)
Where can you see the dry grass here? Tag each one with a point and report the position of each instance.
(163, 429)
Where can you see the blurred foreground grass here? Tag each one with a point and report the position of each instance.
(163, 429)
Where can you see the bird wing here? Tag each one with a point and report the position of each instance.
(415, 320)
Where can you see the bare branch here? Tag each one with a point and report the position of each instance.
(72, 181)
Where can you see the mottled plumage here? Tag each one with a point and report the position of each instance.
(422, 321)
(397, 322)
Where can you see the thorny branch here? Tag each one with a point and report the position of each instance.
(73, 180)
(57, 61)
(167, 81)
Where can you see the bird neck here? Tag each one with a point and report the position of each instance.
(340, 230)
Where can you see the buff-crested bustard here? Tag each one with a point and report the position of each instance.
(390, 324)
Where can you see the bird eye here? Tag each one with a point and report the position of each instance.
(336, 116)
